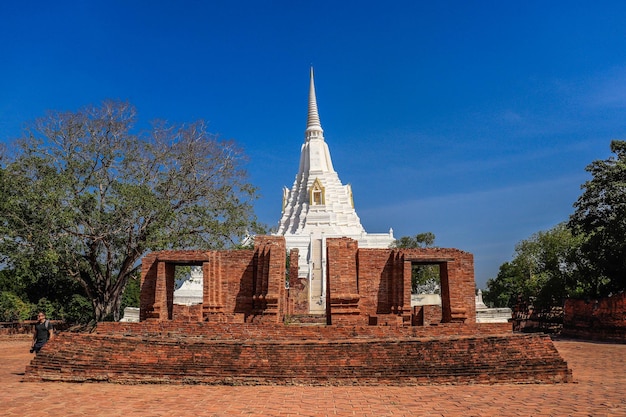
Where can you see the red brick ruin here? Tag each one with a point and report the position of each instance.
(602, 319)
(366, 286)
(245, 331)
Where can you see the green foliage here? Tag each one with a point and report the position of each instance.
(132, 293)
(585, 257)
(48, 307)
(11, 283)
(84, 198)
(13, 308)
(544, 271)
(425, 279)
(47, 288)
(420, 240)
(78, 310)
(600, 220)
(504, 290)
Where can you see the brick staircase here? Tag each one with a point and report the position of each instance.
(260, 355)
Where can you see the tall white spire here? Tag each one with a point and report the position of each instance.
(313, 123)
(319, 206)
(318, 201)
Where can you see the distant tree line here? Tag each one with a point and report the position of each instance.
(582, 257)
(84, 196)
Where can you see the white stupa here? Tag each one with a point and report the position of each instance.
(189, 290)
(319, 206)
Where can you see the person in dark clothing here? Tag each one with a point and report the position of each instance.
(42, 332)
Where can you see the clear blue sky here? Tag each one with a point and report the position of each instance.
(473, 120)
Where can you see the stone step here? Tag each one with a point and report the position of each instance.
(306, 319)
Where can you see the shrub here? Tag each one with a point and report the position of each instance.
(79, 310)
(12, 307)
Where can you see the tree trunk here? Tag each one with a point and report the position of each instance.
(103, 309)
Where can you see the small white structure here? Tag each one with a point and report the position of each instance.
(319, 206)
(190, 291)
(131, 315)
(425, 300)
(484, 314)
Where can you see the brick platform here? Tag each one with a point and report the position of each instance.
(229, 354)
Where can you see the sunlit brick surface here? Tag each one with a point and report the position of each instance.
(599, 372)
(248, 354)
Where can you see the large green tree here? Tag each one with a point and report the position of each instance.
(544, 271)
(600, 218)
(86, 196)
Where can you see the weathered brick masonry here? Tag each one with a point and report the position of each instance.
(239, 285)
(601, 319)
(217, 353)
(238, 336)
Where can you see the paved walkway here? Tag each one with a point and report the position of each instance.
(599, 390)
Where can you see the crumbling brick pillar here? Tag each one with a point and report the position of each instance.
(148, 287)
(402, 295)
(164, 296)
(294, 255)
(342, 292)
(446, 313)
(269, 279)
(298, 293)
(157, 290)
(213, 292)
(458, 289)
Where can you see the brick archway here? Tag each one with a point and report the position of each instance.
(157, 281)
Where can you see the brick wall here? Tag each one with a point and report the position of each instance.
(364, 286)
(239, 285)
(601, 319)
(157, 281)
(213, 353)
(380, 283)
(456, 268)
(342, 288)
(426, 315)
(235, 331)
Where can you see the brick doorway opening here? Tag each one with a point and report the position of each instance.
(435, 271)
